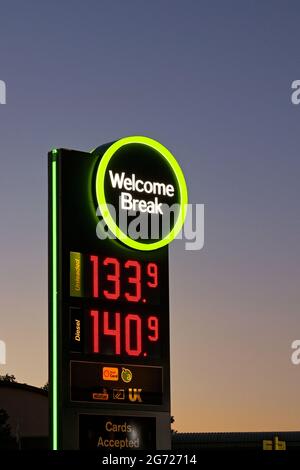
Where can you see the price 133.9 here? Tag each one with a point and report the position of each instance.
(122, 280)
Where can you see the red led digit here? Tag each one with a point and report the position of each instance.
(94, 314)
(152, 272)
(95, 286)
(115, 278)
(132, 319)
(113, 331)
(136, 280)
(153, 326)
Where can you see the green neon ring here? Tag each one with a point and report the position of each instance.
(118, 233)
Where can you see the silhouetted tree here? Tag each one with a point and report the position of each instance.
(7, 440)
(172, 420)
(7, 378)
(45, 387)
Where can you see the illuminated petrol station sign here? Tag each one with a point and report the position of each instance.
(140, 174)
(112, 214)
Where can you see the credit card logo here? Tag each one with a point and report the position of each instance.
(101, 396)
(118, 394)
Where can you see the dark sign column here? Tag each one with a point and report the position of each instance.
(108, 300)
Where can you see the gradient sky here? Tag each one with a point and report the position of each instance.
(211, 80)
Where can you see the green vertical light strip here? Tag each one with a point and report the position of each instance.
(54, 309)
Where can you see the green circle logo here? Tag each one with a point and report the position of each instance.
(126, 375)
(141, 193)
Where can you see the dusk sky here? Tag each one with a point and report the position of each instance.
(211, 80)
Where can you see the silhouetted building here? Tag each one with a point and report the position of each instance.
(236, 440)
(27, 407)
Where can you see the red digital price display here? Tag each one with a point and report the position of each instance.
(112, 272)
(109, 278)
(120, 312)
(131, 333)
